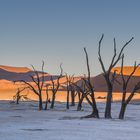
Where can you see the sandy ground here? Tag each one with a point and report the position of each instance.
(24, 122)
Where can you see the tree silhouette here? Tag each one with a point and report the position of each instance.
(125, 81)
(39, 82)
(55, 87)
(107, 73)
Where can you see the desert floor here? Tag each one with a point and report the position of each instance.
(25, 122)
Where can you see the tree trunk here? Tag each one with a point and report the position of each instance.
(17, 102)
(67, 105)
(79, 107)
(95, 112)
(46, 104)
(18, 98)
(40, 103)
(79, 95)
(122, 111)
(108, 105)
(72, 98)
(53, 101)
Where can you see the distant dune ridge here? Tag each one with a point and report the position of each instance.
(11, 73)
(19, 73)
(127, 70)
(15, 69)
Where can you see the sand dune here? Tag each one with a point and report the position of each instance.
(9, 74)
(15, 69)
(20, 74)
(127, 70)
(100, 83)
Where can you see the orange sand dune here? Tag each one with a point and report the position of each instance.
(8, 89)
(63, 80)
(127, 70)
(15, 69)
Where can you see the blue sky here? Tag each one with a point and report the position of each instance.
(57, 30)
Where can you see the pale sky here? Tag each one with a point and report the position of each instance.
(57, 30)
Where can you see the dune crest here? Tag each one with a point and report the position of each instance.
(127, 70)
(15, 69)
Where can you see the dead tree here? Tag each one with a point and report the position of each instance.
(18, 96)
(73, 95)
(127, 101)
(81, 98)
(69, 80)
(55, 87)
(106, 73)
(47, 97)
(39, 82)
(73, 92)
(68, 90)
(78, 93)
(125, 81)
(89, 86)
(89, 91)
(83, 94)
